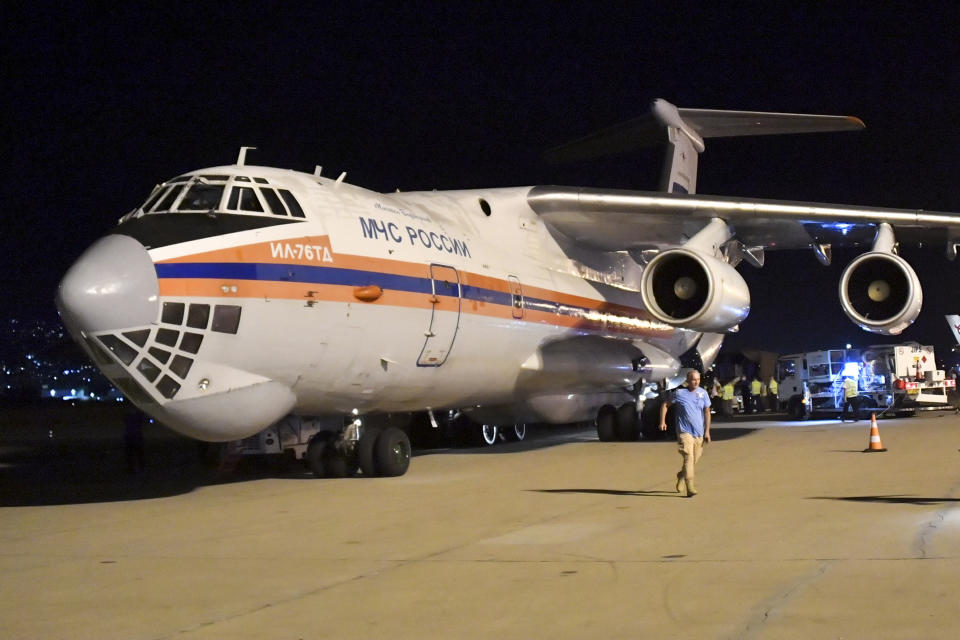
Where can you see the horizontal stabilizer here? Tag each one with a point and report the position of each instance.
(710, 123)
(648, 130)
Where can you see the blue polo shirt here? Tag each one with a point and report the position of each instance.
(689, 406)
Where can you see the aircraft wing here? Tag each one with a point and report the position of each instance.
(614, 220)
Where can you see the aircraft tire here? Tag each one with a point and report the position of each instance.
(315, 457)
(627, 428)
(392, 452)
(515, 433)
(366, 453)
(335, 463)
(489, 433)
(607, 424)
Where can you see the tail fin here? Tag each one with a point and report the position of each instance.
(954, 322)
(686, 131)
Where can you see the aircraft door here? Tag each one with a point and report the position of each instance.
(516, 296)
(444, 315)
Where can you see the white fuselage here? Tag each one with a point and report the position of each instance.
(385, 303)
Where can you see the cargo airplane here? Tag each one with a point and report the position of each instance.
(241, 300)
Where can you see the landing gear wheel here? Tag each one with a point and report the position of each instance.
(392, 452)
(316, 455)
(516, 433)
(488, 434)
(607, 424)
(365, 452)
(627, 430)
(335, 463)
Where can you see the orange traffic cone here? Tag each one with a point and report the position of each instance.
(875, 444)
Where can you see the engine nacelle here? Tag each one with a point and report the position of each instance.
(692, 290)
(881, 293)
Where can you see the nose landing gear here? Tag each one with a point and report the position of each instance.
(372, 451)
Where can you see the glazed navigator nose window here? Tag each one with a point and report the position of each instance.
(226, 318)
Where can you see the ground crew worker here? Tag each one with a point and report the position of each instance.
(764, 398)
(849, 398)
(756, 390)
(774, 399)
(693, 426)
(726, 399)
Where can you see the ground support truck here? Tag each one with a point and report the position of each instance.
(891, 379)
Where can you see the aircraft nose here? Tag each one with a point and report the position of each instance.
(113, 285)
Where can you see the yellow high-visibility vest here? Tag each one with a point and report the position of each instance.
(773, 386)
(849, 388)
(728, 391)
(755, 387)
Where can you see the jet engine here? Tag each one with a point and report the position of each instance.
(879, 291)
(691, 289)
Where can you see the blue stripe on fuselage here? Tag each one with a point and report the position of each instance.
(336, 276)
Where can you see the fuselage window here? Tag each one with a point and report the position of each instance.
(295, 209)
(170, 198)
(202, 197)
(260, 180)
(273, 201)
(241, 179)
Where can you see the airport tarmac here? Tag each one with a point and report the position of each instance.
(796, 533)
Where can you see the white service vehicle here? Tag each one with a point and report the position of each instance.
(900, 378)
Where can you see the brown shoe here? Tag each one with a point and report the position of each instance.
(679, 480)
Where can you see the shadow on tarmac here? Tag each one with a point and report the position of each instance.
(895, 499)
(54, 454)
(615, 492)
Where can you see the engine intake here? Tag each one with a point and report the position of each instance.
(881, 293)
(688, 289)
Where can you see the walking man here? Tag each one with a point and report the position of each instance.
(693, 426)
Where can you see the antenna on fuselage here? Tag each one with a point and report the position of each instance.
(242, 156)
(317, 170)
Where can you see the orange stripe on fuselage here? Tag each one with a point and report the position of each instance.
(611, 316)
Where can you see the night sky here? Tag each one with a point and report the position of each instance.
(102, 101)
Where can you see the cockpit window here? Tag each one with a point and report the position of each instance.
(244, 199)
(273, 201)
(222, 193)
(169, 199)
(152, 200)
(202, 197)
(295, 209)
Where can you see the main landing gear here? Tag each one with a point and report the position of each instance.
(372, 451)
(618, 423)
(490, 434)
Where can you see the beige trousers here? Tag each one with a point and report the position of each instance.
(691, 449)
